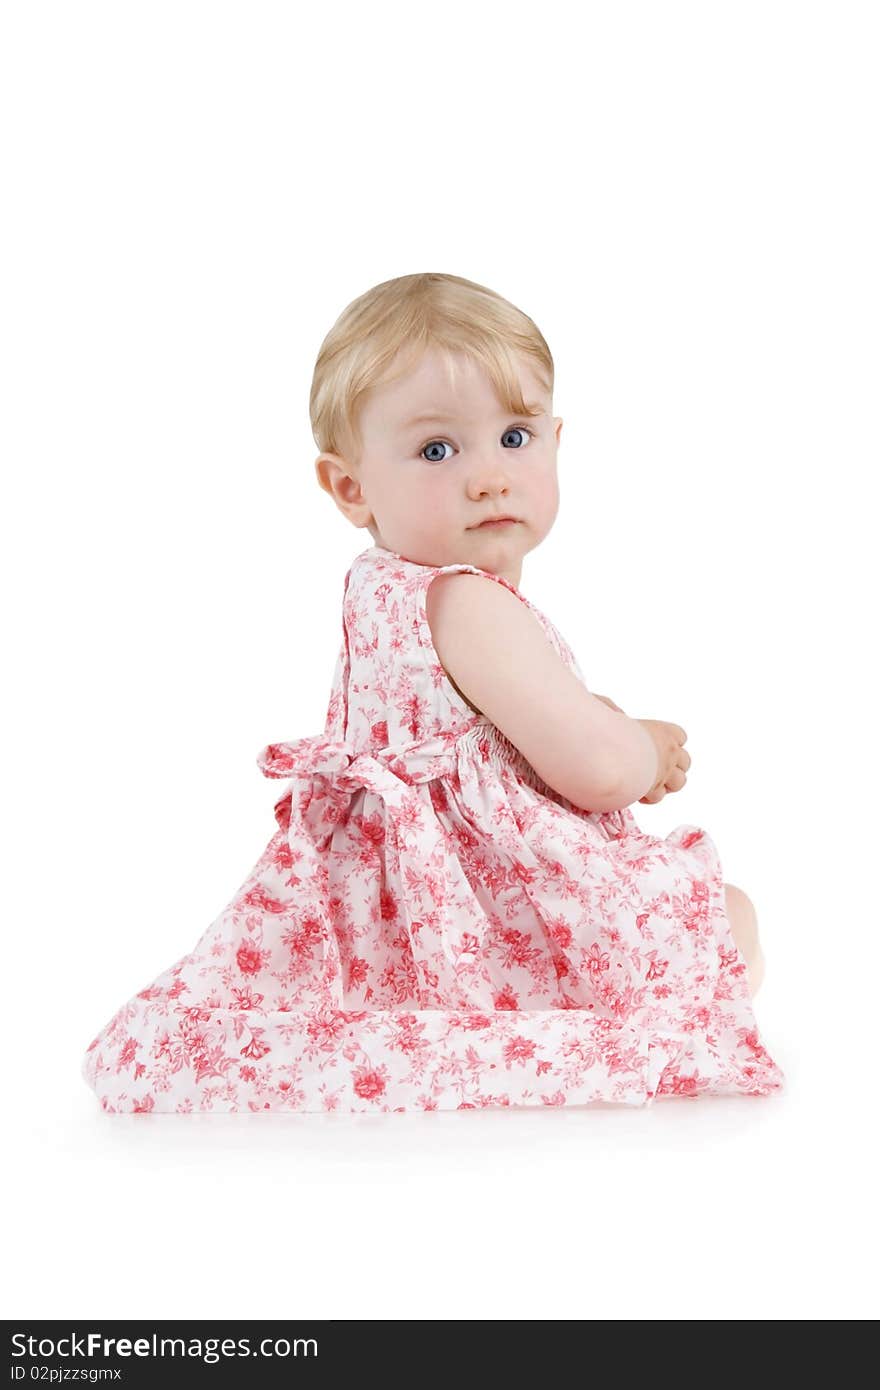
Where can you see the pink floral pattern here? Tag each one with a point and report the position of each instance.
(432, 927)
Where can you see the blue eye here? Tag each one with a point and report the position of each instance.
(514, 429)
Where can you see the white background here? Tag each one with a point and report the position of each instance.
(684, 197)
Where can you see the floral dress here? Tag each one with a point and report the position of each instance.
(433, 927)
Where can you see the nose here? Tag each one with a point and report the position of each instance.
(491, 480)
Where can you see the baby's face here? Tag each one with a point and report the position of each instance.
(423, 486)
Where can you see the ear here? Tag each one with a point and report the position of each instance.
(557, 420)
(337, 478)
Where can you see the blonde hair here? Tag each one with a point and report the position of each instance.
(406, 315)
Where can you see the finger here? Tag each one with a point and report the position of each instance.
(680, 733)
(684, 759)
(676, 780)
(654, 795)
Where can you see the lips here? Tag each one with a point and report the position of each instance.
(495, 521)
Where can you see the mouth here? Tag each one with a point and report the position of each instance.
(494, 521)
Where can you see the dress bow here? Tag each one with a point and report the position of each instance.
(324, 772)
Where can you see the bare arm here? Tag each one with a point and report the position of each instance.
(498, 656)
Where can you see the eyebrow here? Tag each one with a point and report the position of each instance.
(431, 417)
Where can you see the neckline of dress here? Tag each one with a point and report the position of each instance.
(383, 550)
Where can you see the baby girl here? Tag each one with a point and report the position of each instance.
(458, 908)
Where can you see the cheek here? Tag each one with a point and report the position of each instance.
(421, 500)
(545, 482)
(400, 491)
(434, 503)
(434, 487)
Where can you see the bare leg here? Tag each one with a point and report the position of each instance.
(744, 926)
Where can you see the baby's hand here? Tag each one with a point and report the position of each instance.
(674, 758)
